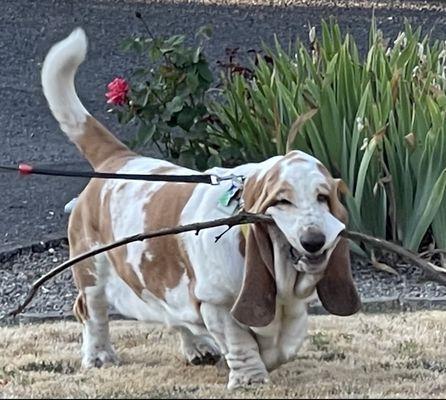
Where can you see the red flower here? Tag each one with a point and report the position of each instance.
(117, 91)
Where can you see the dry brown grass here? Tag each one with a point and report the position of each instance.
(399, 355)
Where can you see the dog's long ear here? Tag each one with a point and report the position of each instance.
(336, 289)
(256, 302)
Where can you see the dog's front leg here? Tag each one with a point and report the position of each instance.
(237, 344)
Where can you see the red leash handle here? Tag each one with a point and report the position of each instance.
(25, 169)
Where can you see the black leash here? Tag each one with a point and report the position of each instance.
(25, 169)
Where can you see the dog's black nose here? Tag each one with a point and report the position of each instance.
(312, 240)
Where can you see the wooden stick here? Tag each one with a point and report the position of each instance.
(432, 271)
(241, 218)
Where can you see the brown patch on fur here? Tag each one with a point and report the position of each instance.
(324, 171)
(336, 207)
(90, 223)
(259, 194)
(241, 243)
(168, 254)
(118, 256)
(293, 157)
(98, 144)
(80, 310)
(81, 234)
(164, 170)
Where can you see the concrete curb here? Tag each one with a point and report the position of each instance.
(379, 305)
(391, 304)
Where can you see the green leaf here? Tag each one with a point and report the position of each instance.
(204, 72)
(363, 170)
(145, 134)
(185, 119)
(187, 159)
(196, 56)
(438, 224)
(297, 125)
(175, 105)
(214, 161)
(127, 44)
(204, 31)
(171, 43)
(441, 100)
(429, 210)
(125, 116)
(192, 81)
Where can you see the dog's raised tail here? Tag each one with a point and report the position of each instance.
(94, 141)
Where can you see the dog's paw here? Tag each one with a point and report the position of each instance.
(100, 359)
(201, 351)
(245, 379)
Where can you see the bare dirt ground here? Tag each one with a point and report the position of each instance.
(364, 356)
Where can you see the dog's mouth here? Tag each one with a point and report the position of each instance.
(309, 263)
(295, 256)
(316, 259)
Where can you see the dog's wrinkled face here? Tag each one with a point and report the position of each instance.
(302, 210)
(302, 198)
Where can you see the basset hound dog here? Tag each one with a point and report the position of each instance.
(243, 297)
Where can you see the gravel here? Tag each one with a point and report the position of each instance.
(18, 272)
(379, 290)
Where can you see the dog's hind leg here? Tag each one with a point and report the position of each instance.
(91, 309)
(198, 349)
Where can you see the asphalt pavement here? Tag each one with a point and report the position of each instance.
(31, 208)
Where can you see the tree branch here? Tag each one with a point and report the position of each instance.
(241, 218)
(432, 271)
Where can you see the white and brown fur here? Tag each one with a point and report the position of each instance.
(242, 298)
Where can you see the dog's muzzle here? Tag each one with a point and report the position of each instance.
(309, 263)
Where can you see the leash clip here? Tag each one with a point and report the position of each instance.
(236, 179)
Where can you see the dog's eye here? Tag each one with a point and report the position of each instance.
(322, 198)
(283, 202)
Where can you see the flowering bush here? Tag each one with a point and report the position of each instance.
(378, 123)
(168, 100)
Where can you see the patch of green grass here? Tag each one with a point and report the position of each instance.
(408, 348)
(320, 341)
